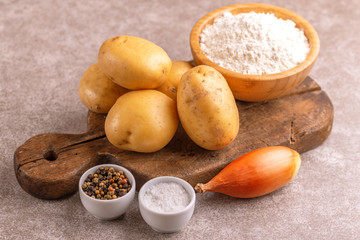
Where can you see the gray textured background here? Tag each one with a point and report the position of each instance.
(45, 47)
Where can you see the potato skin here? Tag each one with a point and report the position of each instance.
(142, 121)
(207, 108)
(97, 92)
(169, 87)
(178, 68)
(134, 63)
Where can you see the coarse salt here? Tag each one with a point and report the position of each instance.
(166, 197)
(254, 43)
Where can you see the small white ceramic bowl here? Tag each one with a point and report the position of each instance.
(170, 221)
(107, 209)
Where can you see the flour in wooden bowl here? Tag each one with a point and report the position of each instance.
(254, 43)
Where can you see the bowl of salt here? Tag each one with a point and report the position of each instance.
(167, 203)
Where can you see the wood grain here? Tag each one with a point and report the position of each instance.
(49, 166)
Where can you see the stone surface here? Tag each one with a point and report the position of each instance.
(47, 45)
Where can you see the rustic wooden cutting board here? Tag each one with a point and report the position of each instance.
(49, 165)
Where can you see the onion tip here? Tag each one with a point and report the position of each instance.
(200, 188)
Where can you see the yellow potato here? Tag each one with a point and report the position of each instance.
(169, 87)
(207, 108)
(133, 62)
(142, 121)
(178, 69)
(97, 92)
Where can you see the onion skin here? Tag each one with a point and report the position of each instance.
(256, 173)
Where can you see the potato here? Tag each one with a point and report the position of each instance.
(169, 87)
(207, 108)
(133, 62)
(178, 68)
(97, 92)
(142, 121)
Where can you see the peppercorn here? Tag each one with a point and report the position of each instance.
(106, 184)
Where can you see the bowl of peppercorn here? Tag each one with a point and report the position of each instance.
(106, 191)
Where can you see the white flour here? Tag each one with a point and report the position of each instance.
(254, 43)
(166, 197)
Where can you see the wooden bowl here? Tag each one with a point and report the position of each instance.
(253, 88)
